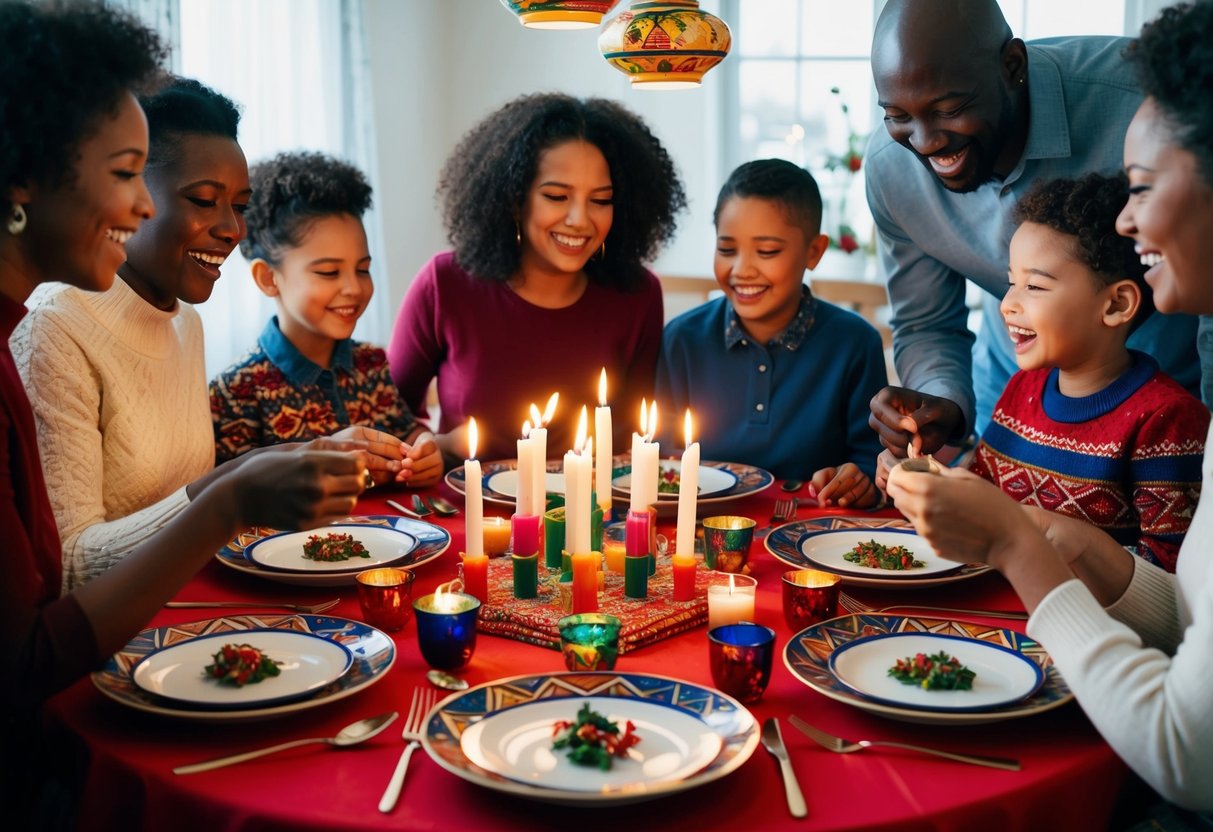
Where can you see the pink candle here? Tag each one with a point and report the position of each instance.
(526, 534)
(638, 529)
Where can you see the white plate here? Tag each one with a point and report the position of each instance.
(284, 552)
(828, 550)
(1004, 676)
(505, 483)
(711, 480)
(306, 663)
(517, 743)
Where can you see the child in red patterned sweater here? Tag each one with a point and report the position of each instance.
(1087, 427)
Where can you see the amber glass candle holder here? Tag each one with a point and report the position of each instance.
(810, 596)
(386, 597)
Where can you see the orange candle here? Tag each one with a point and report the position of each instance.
(684, 577)
(476, 576)
(496, 536)
(585, 582)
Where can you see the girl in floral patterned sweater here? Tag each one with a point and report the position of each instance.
(307, 377)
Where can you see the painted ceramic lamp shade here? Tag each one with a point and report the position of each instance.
(665, 45)
(560, 14)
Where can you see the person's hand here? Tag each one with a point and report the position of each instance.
(962, 516)
(843, 486)
(297, 491)
(901, 417)
(384, 453)
(885, 463)
(422, 462)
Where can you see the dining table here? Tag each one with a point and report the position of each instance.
(124, 758)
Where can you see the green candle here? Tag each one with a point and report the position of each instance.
(526, 576)
(553, 537)
(636, 576)
(596, 528)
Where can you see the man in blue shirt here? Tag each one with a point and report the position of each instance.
(974, 117)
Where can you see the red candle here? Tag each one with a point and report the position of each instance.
(476, 576)
(684, 577)
(585, 582)
(526, 534)
(638, 530)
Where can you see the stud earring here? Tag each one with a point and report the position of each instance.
(17, 220)
(517, 233)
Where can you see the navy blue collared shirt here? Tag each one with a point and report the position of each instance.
(795, 405)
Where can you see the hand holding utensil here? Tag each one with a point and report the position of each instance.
(772, 741)
(352, 734)
(841, 746)
(423, 702)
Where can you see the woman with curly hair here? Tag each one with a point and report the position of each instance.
(307, 377)
(552, 205)
(1131, 639)
(71, 196)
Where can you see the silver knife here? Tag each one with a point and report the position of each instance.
(772, 741)
(407, 512)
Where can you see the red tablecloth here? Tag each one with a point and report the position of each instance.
(1068, 781)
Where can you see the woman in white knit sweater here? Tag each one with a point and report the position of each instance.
(1133, 642)
(117, 379)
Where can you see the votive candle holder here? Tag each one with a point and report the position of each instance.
(446, 628)
(385, 596)
(810, 596)
(589, 641)
(740, 656)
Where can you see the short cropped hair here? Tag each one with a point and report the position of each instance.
(184, 107)
(62, 69)
(484, 184)
(790, 186)
(293, 190)
(1085, 210)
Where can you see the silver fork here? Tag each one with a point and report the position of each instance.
(785, 508)
(424, 700)
(841, 746)
(855, 605)
(304, 608)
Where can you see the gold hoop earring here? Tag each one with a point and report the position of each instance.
(17, 220)
(602, 251)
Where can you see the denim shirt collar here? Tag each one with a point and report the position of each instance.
(790, 339)
(300, 370)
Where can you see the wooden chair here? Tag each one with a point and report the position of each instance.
(866, 298)
(684, 292)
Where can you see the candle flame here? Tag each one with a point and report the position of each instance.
(602, 400)
(581, 431)
(644, 417)
(550, 410)
(473, 436)
(536, 417)
(526, 428)
(652, 421)
(687, 427)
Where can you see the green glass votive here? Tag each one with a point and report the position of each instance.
(636, 576)
(589, 641)
(526, 575)
(553, 537)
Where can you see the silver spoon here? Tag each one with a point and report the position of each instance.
(352, 734)
(443, 507)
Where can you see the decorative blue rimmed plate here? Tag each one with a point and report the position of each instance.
(374, 653)
(725, 716)
(827, 549)
(714, 480)
(793, 543)
(807, 655)
(283, 552)
(306, 663)
(432, 541)
(1002, 676)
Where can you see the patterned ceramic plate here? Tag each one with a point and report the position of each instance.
(432, 541)
(500, 479)
(807, 655)
(283, 552)
(736, 727)
(713, 480)
(791, 543)
(374, 653)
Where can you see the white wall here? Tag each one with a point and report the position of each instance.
(439, 67)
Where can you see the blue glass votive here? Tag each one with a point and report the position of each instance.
(740, 656)
(446, 629)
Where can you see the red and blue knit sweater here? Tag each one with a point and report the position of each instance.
(1126, 459)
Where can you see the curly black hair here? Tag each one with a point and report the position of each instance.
(484, 184)
(183, 107)
(293, 190)
(1174, 60)
(790, 186)
(1085, 209)
(62, 69)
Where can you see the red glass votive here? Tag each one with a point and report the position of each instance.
(810, 596)
(740, 656)
(385, 596)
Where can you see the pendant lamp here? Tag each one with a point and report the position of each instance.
(559, 14)
(664, 45)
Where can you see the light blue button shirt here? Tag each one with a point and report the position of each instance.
(1082, 95)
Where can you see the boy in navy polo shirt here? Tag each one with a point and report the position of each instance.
(776, 377)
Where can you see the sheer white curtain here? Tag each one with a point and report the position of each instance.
(299, 71)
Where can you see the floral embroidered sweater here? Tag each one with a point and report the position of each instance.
(1126, 459)
(275, 394)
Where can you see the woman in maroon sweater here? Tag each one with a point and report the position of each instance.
(75, 142)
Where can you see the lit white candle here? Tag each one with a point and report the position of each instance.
(602, 438)
(688, 493)
(731, 602)
(645, 454)
(578, 463)
(473, 499)
(524, 500)
(539, 435)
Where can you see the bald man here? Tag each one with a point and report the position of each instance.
(973, 117)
